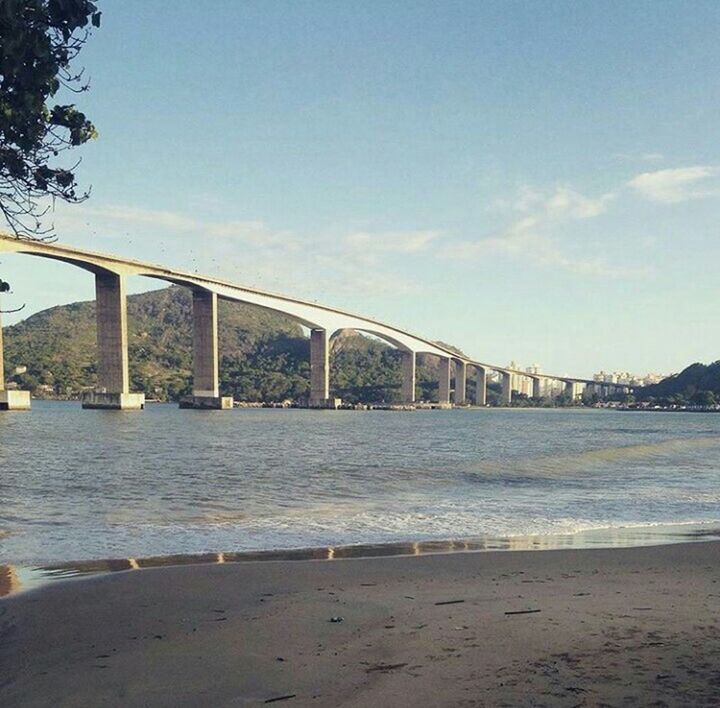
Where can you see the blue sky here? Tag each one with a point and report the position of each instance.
(528, 181)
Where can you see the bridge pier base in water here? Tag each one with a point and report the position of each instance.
(13, 400)
(113, 389)
(100, 400)
(206, 403)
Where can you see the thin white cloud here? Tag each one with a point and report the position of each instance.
(145, 217)
(642, 157)
(112, 219)
(392, 241)
(563, 202)
(679, 184)
(531, 235)
(250, 251)
(250, 232)
(255, 253)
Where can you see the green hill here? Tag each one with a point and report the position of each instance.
(697, 384)
(264, 355)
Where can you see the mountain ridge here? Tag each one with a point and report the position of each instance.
(264, 356)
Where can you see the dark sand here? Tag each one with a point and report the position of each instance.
(621, 627)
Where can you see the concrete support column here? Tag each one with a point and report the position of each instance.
(14, 399)
(536, 388)
(506, 390)
(460, 382)
(444, 381)
(205, 344)
(206, 374)
(480, 386)
(407, 371)
(111, 317)
(570, 389)
(320, 369)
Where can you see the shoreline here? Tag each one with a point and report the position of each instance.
(15, 579)
(622, 626)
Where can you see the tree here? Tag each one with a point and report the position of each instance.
(39, 39)
(704, 398)
(564, 400)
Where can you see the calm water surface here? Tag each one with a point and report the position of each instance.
(97, 484)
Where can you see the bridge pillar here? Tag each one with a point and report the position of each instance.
(480, 386)
(506, 390)
(444, 381)
(570, 389)
(536, 388)
(113, 389)
(460, 382)
(12, 400)
(206, 379)
(407, 371)
(320, 371)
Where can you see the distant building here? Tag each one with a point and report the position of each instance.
(518, 382)
(627, 379)
(524, 384)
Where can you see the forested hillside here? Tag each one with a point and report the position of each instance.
(698, 384)
(264, 355)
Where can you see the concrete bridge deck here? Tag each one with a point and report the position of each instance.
(323, 321)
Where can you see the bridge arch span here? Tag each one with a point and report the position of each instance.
(110, 272)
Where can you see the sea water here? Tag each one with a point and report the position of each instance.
(80, 484)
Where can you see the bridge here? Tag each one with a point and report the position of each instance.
(113, 390)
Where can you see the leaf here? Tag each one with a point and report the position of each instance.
(39, 39)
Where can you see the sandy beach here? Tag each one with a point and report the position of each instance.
(618, 627)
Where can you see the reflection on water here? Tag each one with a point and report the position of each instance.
(9, 582)
(600, 538)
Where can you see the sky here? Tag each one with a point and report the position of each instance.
(537, 182)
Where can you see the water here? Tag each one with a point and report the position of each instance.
(109, 484)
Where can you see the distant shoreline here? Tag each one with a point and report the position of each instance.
(628, 409)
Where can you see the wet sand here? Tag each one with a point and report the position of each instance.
(619, 627)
